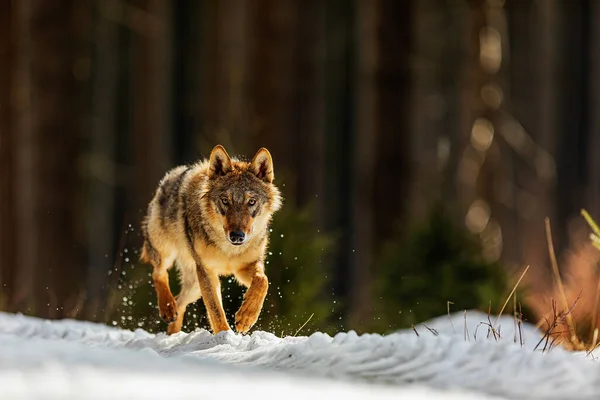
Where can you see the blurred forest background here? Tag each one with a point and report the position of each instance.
(419, 144)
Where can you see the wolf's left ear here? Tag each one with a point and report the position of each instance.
(220, 162)
(262, 165)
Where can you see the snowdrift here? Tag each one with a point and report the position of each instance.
(448, 359)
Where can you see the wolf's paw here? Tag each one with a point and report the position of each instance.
(174, 327)
(246, 317)
(167, 309)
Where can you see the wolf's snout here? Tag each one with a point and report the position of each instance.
(237, 237)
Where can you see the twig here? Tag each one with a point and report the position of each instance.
(304, 324)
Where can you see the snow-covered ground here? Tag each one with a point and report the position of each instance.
(79, 360)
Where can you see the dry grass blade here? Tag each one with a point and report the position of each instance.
(595, 236)
(304, 324)
(558, 279)
(591, 222)
(595, 343)
(595, 241)
(511, 294)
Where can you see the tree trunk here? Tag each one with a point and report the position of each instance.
(25, 187)
(152, 111)
(7, 202)
(364, 177)
(101, 162)
(274, 73)
(46, 128)
(593, 147)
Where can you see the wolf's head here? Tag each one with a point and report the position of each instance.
(241, 194)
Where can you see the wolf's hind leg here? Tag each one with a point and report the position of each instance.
(189, 294)
(167, 306)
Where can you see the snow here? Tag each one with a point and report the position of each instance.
(69, 359)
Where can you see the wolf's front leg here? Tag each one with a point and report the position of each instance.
(255, 279)
(210, 286)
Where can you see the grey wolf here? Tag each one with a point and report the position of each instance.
(211, 219)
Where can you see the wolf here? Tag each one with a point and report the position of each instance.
(212, 219)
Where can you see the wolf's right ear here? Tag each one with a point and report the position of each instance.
(220, 162)
(262, 165)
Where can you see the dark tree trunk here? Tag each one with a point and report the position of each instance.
(310, 138)
(572, 152)
(50, 142)
(274, 73)
(152, 102)
(24, 155)
(101, 160)
(593, 147)
(392, 175)
(365, 158)
(7, 202)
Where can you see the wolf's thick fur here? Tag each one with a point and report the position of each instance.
(212, 219)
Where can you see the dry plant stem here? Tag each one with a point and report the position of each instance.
(595, 344)
(557, 319)
(595, 237)
(491, 327)
(465, 333)
(434, 331)
(449, 318)
(510, 295)
(561, 289)
(515, 319)
(595, 310)
(520, 322)
(551, 326)
(415, 330)
(304, 324)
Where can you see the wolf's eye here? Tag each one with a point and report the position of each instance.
(224, 201)
(251, 202)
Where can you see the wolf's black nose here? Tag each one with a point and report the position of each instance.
(237, 237)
